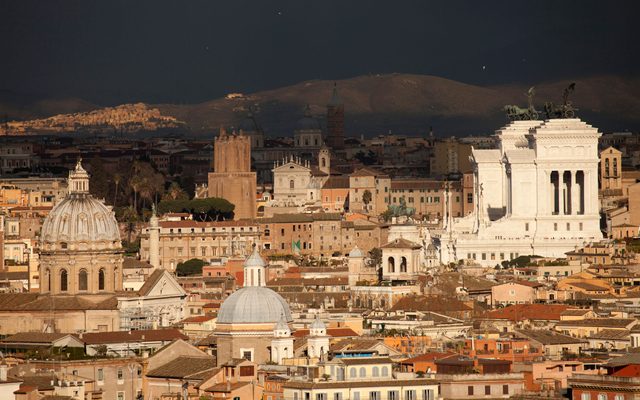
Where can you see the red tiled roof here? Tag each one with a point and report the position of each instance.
(632, 370)
(333, 332)
(427, 357)
(519, 312)
(201, 318)
(205, 224)
(151, 335)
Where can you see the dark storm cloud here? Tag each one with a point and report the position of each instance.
(188, 51)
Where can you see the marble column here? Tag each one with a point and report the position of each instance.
(575, 193)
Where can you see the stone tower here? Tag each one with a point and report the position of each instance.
(335, 121)
(282, 343)
(324, 160)
(232, 178)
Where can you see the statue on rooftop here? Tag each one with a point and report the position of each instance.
(564, 110)
(515, 113)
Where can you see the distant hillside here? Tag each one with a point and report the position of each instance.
(412, 103)
(402, 103)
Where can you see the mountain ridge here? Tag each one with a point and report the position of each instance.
(403, 103)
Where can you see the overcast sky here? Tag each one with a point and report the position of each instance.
(189, 51)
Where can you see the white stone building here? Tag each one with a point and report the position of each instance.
(537, 194)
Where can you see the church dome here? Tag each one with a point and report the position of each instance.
(254, 304)
(308, 122)
(249, 124)
(80, 222)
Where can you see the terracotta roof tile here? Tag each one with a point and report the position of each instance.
(183, 367)
(520, 312)
(151, 335)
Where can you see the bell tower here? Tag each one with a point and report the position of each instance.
(335, 121)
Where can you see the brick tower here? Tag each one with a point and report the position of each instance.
(335, 121)
(232, 178)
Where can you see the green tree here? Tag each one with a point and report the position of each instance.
(175, 192)
(99, 186)
(129, 216)
(366, 198)
(208, 209)
(117, 178)
(190, 267)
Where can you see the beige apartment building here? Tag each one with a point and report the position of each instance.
(182, 240)
(377, 184)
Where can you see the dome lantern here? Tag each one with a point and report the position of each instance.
(78, 179)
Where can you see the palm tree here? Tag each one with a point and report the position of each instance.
(116, 179)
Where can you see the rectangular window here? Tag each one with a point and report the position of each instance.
(568, 226)
(100, 375)
(580, 227)
(470, 390)
(246, 370)
(555, 226)
(484, 256)
(393, 395)
(526, 226)
(427, 394)
(120, 374)
(321, 396)
(120, 395)
(585, 396)
(505, 389)
(337, 396)
(487, 389)
(410, 395)
(355, 395)
(469, 198)
(374, 396)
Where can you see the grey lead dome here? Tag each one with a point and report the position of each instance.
(254, 304)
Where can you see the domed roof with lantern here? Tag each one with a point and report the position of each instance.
(80, 222)
(254, 303)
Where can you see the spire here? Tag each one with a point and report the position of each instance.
(335, 98)
(282, 327)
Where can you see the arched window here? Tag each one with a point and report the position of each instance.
(403, 264)
(375, 371)
(392, 264)
(363, 372)
(385, 371)
(64, 284)
(82, 279)
(292, 184)
(607, 171)
(615, 167)
(353, 373)
(48, 278)
(324, 162)
(101, 279)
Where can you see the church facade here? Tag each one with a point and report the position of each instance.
(537, 195)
